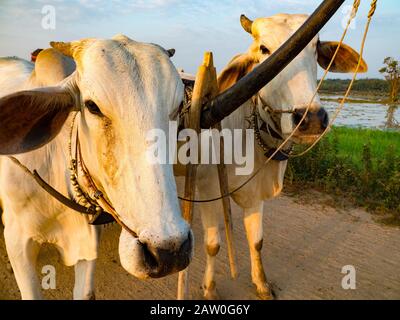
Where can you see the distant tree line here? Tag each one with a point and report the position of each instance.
(363, 85)
(390, 86)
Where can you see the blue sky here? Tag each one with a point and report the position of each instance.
(191, 27)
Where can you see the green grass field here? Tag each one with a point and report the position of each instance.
(360, 165)
(351, 142)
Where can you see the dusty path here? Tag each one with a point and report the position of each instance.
(305, 248)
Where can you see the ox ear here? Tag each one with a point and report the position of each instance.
(30, 119)
(346, 60)
(236, 69)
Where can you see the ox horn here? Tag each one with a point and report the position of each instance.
(71, 49)
(64, 47)
(231, 99)
(246, 23)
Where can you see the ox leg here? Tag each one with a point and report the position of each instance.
(212, 242)
(84, 280)
(23, 256)
(210, 214)
(254, 232)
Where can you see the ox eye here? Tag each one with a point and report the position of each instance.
(92, 107)
(264, 50)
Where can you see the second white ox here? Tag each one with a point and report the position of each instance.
(291, 92)
(122, 89)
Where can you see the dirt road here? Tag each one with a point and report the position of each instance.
(305, 248)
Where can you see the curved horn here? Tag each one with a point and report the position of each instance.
(65, 48)
(231, 99)
(72, 49)
(246, 23)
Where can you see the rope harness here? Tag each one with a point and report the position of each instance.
(278, 150)
(341, 105)
(281, 155)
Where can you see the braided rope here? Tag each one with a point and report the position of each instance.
(356, 5)
(19, 164)
(373, 8)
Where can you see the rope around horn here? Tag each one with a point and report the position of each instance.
(356, 5)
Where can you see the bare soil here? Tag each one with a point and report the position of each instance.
(305, 247)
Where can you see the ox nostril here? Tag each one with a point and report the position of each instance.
(324, 118)
(187, 245)
(297, 116)
(151, 256)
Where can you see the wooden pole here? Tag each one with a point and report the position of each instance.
(223, 185)
(201, 92)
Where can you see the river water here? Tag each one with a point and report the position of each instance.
(366, 115)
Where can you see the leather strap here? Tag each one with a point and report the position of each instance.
(97, 219)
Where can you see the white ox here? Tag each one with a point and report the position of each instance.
(292, 89)
(122, 89)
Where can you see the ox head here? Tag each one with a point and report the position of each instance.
(293, 89)
(123, 89)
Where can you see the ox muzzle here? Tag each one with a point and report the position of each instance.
(315, 122)
(162, 262)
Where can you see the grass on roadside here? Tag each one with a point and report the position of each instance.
(360, 165)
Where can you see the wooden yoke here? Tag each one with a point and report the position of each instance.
(205, 88)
